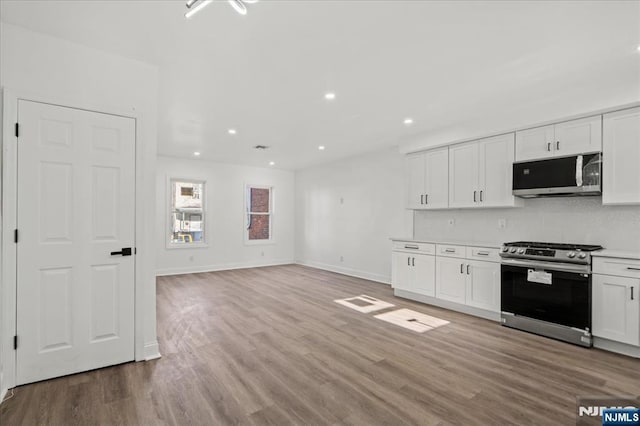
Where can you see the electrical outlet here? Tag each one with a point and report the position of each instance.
(451, 222)
(341, 259)
(190, 258)
(341, 200)
(262, 253)
(502, 223)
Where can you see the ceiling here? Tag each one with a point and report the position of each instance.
(445, 64)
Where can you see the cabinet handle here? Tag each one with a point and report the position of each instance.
(413, 261)
(468, 269)
(462, 268)
(408, 261)
(421, 198)
(549, 146)
(411, 246)
(480, 196)
(557, 145)
(426, 198)
(633, 269)
(631, 293)
(450, 250)
(474, 196)
(483, 253)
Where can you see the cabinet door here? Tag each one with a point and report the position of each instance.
(415, 168)
(621, 156)
(535, 143)
(463, 175)
(423, 271)
(483, 285)
(400, 266)
(496, 171)
(437, 178)
(578, 136)
(616, 315)
(450, 279)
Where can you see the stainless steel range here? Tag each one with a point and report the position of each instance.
(546, 289)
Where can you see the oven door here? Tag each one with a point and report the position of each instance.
(558, 296)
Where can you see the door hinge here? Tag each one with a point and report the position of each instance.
(17, 130)
(15, 236)
(15, 343)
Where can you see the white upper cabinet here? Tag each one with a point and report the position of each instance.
(620, 156)
(427, 179)
(463, 175)
(559, 140)
(480, 173)
(534, 143)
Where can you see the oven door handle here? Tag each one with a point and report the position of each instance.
(549, 266)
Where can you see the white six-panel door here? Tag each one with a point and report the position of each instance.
(75, 301)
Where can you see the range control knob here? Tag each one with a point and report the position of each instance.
(512, 250)
(582, 255)
(521, 251)
(571, 254)
(505, 249)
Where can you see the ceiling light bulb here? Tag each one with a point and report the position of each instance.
(330, 96)
(321, 147)
(232, 131)
(196, 153)
(199, 6)
(408, 121)
(239, 6)
(249, 1)
(271, 163)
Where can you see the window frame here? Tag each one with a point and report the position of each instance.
(247, 214)
(171, 180)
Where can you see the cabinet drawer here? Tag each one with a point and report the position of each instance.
(483, 253)
(451, 251)
(614, 266)
(424, 248)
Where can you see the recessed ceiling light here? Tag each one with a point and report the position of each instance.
(197, 154)
(271, 163)
(321, 147)
(330, 96)
(408, 121)
(232, 131)
(639, 48)
(198, 7)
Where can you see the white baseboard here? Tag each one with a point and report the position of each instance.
(346, 271)
(620, 348)
(151, 351)
(221, 267)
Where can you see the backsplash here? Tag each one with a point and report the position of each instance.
(582, 220)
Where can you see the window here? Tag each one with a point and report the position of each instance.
(259, 210)
(186, 220)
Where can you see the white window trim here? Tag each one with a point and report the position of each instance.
(246, 213)
(177, 246)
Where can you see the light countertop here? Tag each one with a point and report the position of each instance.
(449, 242)
(617, 253)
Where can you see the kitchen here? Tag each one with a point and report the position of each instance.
(355, 212)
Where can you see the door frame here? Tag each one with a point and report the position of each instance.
(8, 283)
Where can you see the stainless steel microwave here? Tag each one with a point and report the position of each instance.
(563, 176)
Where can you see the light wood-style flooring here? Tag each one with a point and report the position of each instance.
(268, 346)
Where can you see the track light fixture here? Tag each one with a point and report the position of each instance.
(194, 6)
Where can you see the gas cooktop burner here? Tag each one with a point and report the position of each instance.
(554, 246)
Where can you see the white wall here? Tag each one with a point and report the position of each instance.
(75, 75)
(349, 209)
(581, 220)
(224, 217)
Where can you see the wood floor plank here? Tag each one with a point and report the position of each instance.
(269, 346)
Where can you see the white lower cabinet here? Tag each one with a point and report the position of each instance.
(414, 272)
(450, 279)
(483, 285)
(616, 308)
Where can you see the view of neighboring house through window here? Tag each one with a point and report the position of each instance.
(186, 221)
(259, 207)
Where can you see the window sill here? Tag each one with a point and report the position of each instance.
(182, 246)
(259, 242)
